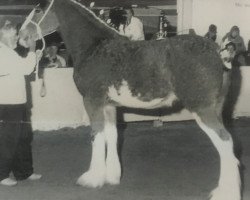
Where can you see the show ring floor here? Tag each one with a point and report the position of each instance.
(174, 162)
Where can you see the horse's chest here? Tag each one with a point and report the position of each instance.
(125, 97)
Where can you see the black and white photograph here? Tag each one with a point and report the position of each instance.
(124, 99)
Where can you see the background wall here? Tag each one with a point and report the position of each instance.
(184, 16)
(62, 106)
(199, 14)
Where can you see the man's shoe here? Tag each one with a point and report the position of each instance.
(34, 177)
(8, 182)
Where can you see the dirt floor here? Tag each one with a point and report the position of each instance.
(173, 162)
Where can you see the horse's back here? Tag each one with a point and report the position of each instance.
(187, 66)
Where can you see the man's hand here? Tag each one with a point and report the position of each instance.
(31, 44)
(39, 54)
(27, 40)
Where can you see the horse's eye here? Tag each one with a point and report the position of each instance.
(38, 10)
(26, 38)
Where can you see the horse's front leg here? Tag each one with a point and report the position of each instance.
(95, 176)
(113, 167)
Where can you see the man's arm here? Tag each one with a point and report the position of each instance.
(12, 63)
(138, 33)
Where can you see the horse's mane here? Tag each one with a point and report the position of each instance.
(91, 13)
(81, 30)
(104, 29)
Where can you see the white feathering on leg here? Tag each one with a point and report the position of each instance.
(95, 176)
(113, 168)
(229, 182)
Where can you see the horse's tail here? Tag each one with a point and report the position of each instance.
(226, 82)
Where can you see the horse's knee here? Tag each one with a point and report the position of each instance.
(110, 114)
(96, 116)
(223, 134)
(96, 127)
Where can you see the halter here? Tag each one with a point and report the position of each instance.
(39, 30)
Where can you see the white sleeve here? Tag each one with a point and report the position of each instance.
(138, 33)
(121, 29)
(62, 60)
(12, 63)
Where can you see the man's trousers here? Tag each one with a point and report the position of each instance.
(15, 142)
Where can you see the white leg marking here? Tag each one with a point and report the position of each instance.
(229, 182)
(95, 176)
(113, 167)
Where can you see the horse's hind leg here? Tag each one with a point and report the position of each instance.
(95, 176)
(113, 168)
(229, 185)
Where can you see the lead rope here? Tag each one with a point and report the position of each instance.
(39, 52)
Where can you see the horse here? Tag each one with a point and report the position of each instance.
(111, 71)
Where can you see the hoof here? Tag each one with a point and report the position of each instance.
(225, 194)
(113, 174)
(113, 180)
(91, 179)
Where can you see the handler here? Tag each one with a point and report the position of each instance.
(133, 27)
(15, 143)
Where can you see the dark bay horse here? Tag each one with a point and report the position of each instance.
(111, 71)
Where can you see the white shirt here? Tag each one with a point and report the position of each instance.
(134, 31)
(12, 70)
(227, 57)
(60, 62)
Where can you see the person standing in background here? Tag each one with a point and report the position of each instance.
(247, 54)
(234, 36)
(212, 33)
(133, 27)
(240, 48)
(15, 143)
(53, 59)
(228, 55)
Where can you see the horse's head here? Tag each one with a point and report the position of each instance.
(40, 22)
(29, 28)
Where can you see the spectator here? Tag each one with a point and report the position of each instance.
(234, 36)
(52, 57)
(212, 33)
(230, 58)
(228, 54)
(133, 27)
(15, 143)
(247, 54)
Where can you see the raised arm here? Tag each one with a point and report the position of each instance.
(11, 63)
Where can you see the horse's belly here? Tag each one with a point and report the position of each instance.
(124, 97)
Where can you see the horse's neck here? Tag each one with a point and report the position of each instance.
(81, 31)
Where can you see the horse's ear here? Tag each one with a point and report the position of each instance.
(28, 19)
(43, 3)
